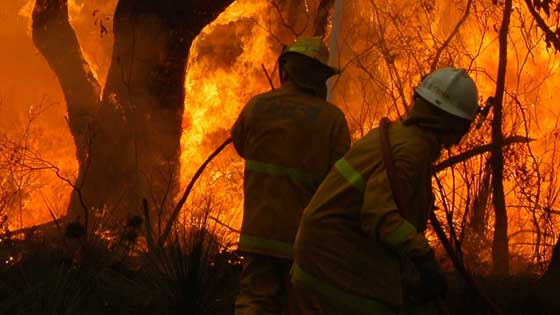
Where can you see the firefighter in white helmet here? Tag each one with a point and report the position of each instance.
(290, 138)
(353, 239)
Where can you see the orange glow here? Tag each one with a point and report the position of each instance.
(33, 112)
(382, 59)
(217, 90)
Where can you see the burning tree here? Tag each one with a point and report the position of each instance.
(497, 193)
(385, 47)
(127, 134)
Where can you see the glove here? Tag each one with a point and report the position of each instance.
(434, 284)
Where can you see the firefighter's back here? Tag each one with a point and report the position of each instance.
(289, 140)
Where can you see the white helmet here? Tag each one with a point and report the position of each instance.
(451, 90)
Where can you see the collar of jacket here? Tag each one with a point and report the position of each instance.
(290, 86)
(433, 140)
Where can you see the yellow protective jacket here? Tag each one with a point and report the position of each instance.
(351, 235)
(290, 140)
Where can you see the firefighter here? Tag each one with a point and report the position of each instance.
(290, 138)
(353, 239)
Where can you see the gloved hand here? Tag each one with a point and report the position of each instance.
(434, 284)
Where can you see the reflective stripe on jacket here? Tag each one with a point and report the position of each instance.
(351, 232)
(290, 140)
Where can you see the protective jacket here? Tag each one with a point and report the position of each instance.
(352, 234)
(290, 139)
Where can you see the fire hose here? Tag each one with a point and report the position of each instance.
(199, 172)
(188, 190)
(387, 159)
(433, 219)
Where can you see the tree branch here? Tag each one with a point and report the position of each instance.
(550, 35)
(478, 151)
(55, 39)
(321, 18)
(500, 249)
(225, 225)
(453, 33)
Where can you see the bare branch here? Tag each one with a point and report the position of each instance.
(453, 33)
(283, 22)
(321, 19)
(550, 35)
(55, 39)
(227, 226)
(478, 151)
(31, 229)
(500, 249)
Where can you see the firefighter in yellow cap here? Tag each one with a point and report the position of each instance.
(290, 138)
(355, 236)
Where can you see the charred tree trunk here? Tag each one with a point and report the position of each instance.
(500, 249)
(322, 17)
(128, 139)
(555, 260)
(480, 205)
(55, 39)
(292, 11)
(296, 19)
(543, 298)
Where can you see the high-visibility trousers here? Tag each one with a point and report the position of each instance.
(307, 302)
(264, 286)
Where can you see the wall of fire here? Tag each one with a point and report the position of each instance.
(384, 48)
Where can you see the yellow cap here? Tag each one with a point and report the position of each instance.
(312, 47)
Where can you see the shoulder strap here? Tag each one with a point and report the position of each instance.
(389, 164)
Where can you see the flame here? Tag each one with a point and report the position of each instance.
(216, 91)
(33, 127)
(224, 72)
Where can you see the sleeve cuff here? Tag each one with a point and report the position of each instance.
(400, 235)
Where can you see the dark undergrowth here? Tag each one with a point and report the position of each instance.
(194, 274)
(191, 275)
(516, 295)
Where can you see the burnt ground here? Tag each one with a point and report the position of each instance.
(76, 277)
(522, 294)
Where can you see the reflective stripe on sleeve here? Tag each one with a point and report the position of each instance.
(279, 170)
(403, 232)
(338, 296)
(302, 49)
(262, 245)
(351, 175)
